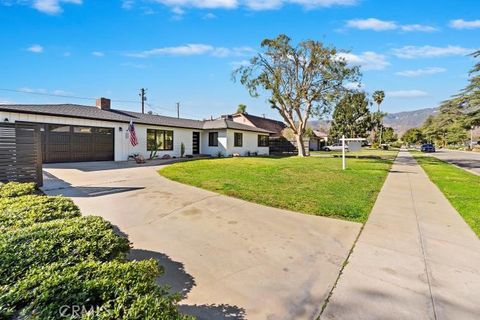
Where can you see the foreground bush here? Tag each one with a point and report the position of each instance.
(26, 210)
(16, 189)
(112, 290)
(67, 241)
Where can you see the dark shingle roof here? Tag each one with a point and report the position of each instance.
(271, 125)
(94, 113)
(229, 124)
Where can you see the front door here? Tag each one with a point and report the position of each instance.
(196, 143)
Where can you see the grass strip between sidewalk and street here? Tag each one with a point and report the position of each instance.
(461, 187)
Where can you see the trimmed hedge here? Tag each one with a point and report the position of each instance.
(16, 189)
(111, 290)
(51, 257)
(26, 210)
(67, 241)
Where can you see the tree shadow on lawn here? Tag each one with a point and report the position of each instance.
(180, 282)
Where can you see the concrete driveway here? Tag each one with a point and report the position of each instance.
(229, 259)
(467, 160)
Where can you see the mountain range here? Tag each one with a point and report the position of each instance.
(402, 121)
(399, 121)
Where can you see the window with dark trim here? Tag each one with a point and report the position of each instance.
(159, 140)
(237, 139)
(213, 139)
(263, 140)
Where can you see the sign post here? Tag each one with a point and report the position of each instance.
(344, 163)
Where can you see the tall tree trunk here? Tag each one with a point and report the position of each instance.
(300, 145)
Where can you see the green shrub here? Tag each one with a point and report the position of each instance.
(26, 210)
(16, 189)
(114, 290)
(66, 241)
(396, 144)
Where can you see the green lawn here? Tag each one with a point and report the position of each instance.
(313, 185)
(460, 187)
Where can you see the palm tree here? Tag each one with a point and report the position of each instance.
(378, 97)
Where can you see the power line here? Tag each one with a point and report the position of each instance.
(61, 95)
(156, 108)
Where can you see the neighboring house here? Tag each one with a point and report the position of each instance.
(85, 133)
(318, 140)
(281, 139)
(274, 126)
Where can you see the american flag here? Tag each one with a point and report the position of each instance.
(133, 135)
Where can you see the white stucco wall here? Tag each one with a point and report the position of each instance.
(123, 147)
(250, 143)
(222, 143)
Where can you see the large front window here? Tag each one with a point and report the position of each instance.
(213, 139)
(263, 141)
(237, 139)
(159, 140)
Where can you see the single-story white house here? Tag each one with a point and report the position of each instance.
(318, 140)
(72, 133)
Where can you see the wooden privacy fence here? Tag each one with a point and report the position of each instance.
(20, 153)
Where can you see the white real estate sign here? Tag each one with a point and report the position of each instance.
(353, 144)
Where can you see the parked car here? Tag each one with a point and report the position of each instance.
(427, 147)
(334, 147)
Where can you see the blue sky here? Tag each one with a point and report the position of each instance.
(185, 50)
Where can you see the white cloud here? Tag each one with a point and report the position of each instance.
(406, 94)
(464, 24)
(368, 60)
(209, 16)
(6, 101)
(52, 6)
(417, 27)
(371, 24)
(203, 4)
(42, 91)
(127, 4)
(178, 11)
(98, 54)
(412, 52)
(254, 4)
(383, 25)
(36, 48)
(30, 90)
(420, 72)
(61, 93)
(193, 50)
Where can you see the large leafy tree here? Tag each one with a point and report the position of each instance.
(448, 126)
(389, 135)
(471, 94)
(352, 116)
(413, 136)
(302, 81)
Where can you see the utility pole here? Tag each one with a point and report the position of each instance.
(178, 109)
(143, 96)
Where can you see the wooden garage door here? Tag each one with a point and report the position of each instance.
(66, 143)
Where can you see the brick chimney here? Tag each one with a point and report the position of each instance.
(103, 103)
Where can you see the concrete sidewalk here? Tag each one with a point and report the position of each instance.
(415, 259)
